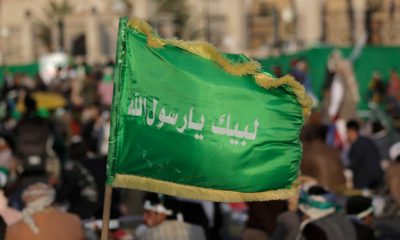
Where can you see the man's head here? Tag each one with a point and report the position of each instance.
(360, 208)
(353, 129)
(155, 211)
(316, 202)
(376, 76)
(37, 197)
(301, 65)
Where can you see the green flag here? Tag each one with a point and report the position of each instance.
(191, 122)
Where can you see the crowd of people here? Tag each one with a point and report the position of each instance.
(350, 166)
(53, 154)
(54, 140)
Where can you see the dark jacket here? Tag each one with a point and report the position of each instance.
(193, 213)
(365, 163)
(263, 215)
(3, 228)
(79, 189)
(332, 227)
(363, 232)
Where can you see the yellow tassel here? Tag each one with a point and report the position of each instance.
(147, 30)
(199, 193)
(208, 51)
(268, 82)
(200, 48)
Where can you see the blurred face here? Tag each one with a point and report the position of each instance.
(6, 156)
(368, 220)
(152, 218)
(352, 135)
(302, 66)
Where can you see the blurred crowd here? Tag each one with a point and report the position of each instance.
(54, 140)
(350, 171)
(53, 154)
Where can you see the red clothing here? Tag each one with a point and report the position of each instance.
(394, 87)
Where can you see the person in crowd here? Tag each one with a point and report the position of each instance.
(78, 187)
(104, 126)
(262, 219)
(105, 86)
(288, 222)
(321, 161)
(344, 93)
(7, 163)
(89, 91)
(40, 221)
(360, 212)
(383, 139)
(277, 70)
(393, 88)
(297, 70)
(393, 174)
(321, 221)
(8, 215)
(158, 226)
(206, 214)
(364, 159)
(32, 134)
(91, 131)
(344, 98)
(376, 89)
(331, 67)
(300, 74)
(40, 84)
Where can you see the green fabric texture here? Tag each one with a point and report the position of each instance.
(29, 69)
(180, 118)
(372, 58)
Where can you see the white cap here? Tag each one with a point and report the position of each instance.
(394, 151)
(158, 208)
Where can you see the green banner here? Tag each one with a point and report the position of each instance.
(29, 69)
(371, 59)
(191, 122)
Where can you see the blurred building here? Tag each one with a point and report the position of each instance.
(88, 28)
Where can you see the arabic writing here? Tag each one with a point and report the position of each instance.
(138, 108)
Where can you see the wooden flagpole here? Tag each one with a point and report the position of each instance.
(106, 212)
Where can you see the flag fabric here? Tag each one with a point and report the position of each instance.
(189, 121)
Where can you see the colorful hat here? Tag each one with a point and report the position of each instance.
(156, 203)
(316, 202)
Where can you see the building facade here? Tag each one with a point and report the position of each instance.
(257, 27)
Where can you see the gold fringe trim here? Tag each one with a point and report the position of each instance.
(208, 51)
(268, 82)
(200, 48)
(147, 30)
(199, 193)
